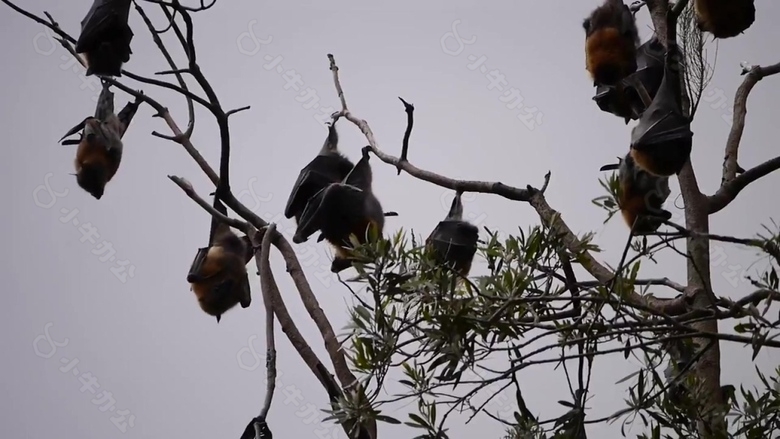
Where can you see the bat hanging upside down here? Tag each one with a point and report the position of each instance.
(218, 274)
(105, 37)
(641, 196)
(611, 40)
(342, 209)
(454, 241)
(724, 18)
(100, 145)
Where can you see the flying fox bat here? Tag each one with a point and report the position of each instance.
(661, 141)
(641, 196)
(611, 38)
(454, 241)
(100, 145)
(105, 37)
(342, 209)
(724, 18)
(329, 166)
(218, 274)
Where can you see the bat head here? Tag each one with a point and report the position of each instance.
(92, 177)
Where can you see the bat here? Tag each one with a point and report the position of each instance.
(100, 146)
(662, 139)
(218, 274)
(105, 37)
(611, 38)
(625, 99)
(724, 18)
(641, 196)
(454, 241)
(342, 209)
(329, 166)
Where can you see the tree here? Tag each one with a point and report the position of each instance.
(531, 304)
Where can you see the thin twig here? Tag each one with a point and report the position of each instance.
(409, 108)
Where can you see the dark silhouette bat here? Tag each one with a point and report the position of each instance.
(105, 37)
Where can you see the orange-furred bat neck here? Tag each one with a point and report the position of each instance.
(95, 164)
(609, 56)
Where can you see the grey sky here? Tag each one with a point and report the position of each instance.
(147, 341)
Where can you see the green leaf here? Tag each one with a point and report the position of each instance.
(388, 419)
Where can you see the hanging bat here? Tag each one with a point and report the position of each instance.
(342, 209)
(611, 38)
(641, 196)
(100, 145)
(662, 139)
(626, 100)
(105, 37)
(454, 241)
(724, 18)
(329, 166)
(218, 274)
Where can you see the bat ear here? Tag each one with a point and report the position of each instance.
(75, 129)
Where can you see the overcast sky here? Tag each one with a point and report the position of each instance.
(144, 338)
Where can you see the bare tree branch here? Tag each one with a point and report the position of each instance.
(270, 290)
(729, 191)
(752, 76)
(186, 186)
(176, 4)
(172, 63)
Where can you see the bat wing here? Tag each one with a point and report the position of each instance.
(194, 273)
(663, 121)
(246, 293)
(309, 182)
(106, 20)
(126, 115)
(458, 234)
(311, 217)
(330, 202)
(627, 21)
(318, 174)
(75, 130)
(610, 167)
